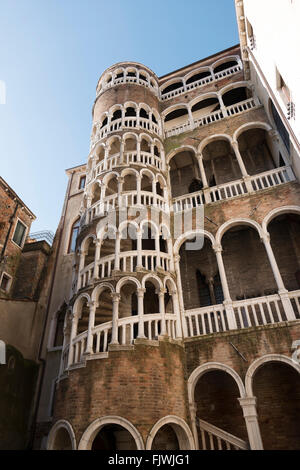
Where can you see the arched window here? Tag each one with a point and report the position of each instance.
(73, 236)
(59, 332)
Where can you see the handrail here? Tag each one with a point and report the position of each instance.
(220, 434)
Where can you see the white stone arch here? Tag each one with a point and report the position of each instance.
(229, 58)
(181, 429)
(145, 107)
(234, 222)
(172, 108)
(279, 211)
(61, 424)
(131, 69)
(190, 234)
(183, 148)
(83, 245)
(168, 279)
(109, 176)
(92, 430)
(103, 229)
(152, 277)
(260, 362)
(156, 115)
(150, 223)
(171, 82)
(97, 291)
(129, 171)
(199, 98)
(233, 85)
(117, 71)
(127, 224)
(251, 125)
(127, 280)
(148, 173)
(164, 228)
(210, 366)
(146, 137)
(111, 139)
(115, 107)
(78, 303)
(213, 138)
(189, 75)
(130, 104)
(161, 180)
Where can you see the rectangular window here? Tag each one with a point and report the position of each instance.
(5, 282)
(82, 182)
(19, 234)
(283, 89)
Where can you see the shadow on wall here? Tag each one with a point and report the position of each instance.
(17, 384)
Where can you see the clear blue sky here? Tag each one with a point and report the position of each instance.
(51, 55)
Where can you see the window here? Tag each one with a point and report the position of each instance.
(250, 34)
(283, 89)
(19, 234)
(73, 237)
(82, 182)
(5, 282)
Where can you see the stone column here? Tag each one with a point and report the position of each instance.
(223, 107)
(180, 296)
(140, 296)
(89, 342)
(102, 196)
(191, 119)
(106, 153)
(138, 150)
(161, 298)
(120, 190)
(282, 291)
(82, 253)
(122, 147)
(117, 251)
(250, 414)
(97, 257)
(72, 336)
(227, 299)
(244, 172)
(139, 249)
(176, 310)
(138, 188)
(157, 250)
(193, 412)
(206, 190)
(115, 317)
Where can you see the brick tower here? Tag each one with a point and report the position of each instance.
(167, 345)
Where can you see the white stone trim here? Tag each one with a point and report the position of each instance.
(180, 427)
(234, 222)
(92, 430)
(52, 434)
(279, 211)
(260, 362)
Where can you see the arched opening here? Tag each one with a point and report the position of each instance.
(225, 66)
(216, 398)
(151, 304)
(148, 238)
(108, 243)
(184, 168)
(146, 183)
(200, 279)
(116, 115)
(236, 95)
(247, 266)
(114, 146)
(73, 236)
(165, 439)
(83, 316)
(62, 440)
(99, 154)
(113, 437)
(96, 193)
(220, 163)
(59, 330)
(285, 241)
(276, 386)
(104, 122)
(254, 146)
(103, 314)
(198, 76)
(130, 112)
(130, 144)
(145, 145)
(144, 114)
(90, 252)
(129, 183)
(128, 306)
(112, 186)
(172, 87)
(128, 240)
(176, 118)
(205, 107)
